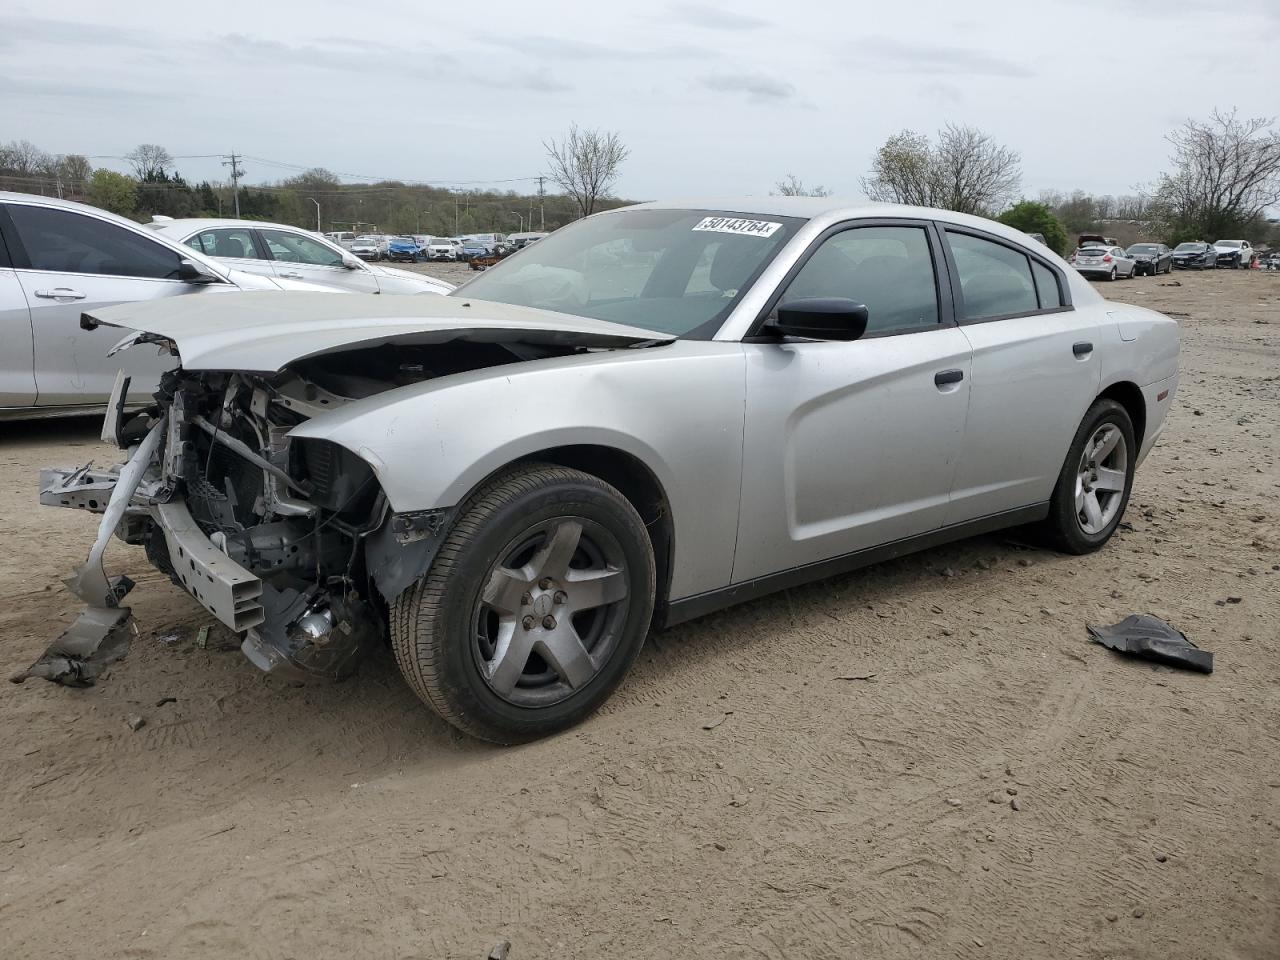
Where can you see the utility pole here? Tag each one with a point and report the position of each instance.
(317, 203)
(455, 213)
(232, 160)
(542, 208)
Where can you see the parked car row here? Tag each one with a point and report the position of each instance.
(1103, 258)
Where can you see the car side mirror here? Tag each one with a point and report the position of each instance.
(821, 318)
(191, 272)
(350, 262)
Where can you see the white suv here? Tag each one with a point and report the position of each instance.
(1234, 253)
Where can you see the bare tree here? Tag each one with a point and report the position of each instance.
(149, 161)
(966, 171)
(23, 158)
(1226, 174)
(75, 169)
(793, 186)
(585, 164)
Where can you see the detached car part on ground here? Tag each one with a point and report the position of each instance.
(649, 415)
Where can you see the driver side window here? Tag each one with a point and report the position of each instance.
(295, 248)
(888, 269)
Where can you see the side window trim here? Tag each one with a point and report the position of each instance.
(21, 259)
(941, 284)
(18, 259)
(1064, 288)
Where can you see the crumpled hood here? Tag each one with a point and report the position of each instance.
(265, 332)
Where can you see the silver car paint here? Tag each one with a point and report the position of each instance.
(848, 445)
(677, 408)
(49, 363)
(785, 436)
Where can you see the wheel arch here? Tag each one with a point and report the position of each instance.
(635, 480)
(1129, 395)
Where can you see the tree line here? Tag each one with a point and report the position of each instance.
(1223, 180)
(312, 198)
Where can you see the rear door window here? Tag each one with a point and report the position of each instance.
(995, 280)
(62, 241)
(1047, 288)
(229, 243)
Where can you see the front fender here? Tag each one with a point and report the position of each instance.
(677, 408)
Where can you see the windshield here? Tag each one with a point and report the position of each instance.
(1190, 247)
(1143, 248)
(668, 270)
(1227, 243)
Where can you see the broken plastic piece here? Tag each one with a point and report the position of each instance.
(1150, 638)
(98, 638)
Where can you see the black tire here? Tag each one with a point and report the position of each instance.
(434, 626)
(1062, 528)
(1112, 275)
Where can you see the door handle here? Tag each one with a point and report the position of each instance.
(1082, 349)
(944, 377)
(292, 276)
(60, 293)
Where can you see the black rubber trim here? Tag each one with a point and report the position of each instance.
(688, 608)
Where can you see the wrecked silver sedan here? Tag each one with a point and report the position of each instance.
(646, 416)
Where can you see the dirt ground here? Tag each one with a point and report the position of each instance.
(925, 759)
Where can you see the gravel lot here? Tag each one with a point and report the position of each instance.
(988, 783)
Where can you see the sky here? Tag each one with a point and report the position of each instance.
(711, 97)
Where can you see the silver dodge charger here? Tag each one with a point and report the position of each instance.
(649, 415)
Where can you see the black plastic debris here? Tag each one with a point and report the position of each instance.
(1150, 638)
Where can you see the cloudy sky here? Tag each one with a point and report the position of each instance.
(712, 97)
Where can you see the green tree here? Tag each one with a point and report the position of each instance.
(1031, 217)
(116, 192)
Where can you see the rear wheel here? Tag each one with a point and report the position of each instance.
(1092, 491)
(534, 609)
(1112, 275)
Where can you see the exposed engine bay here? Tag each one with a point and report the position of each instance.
(289, 541)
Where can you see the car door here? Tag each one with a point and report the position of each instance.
(298, 256)
(68, 261)
(17, 360)
(849, 445)
(1035, 372)
(237, 247)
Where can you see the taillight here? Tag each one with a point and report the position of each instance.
(1107, 258)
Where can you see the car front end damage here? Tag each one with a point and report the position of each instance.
(288, 541)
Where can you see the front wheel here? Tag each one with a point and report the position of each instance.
(1092, 491)
(534, 609)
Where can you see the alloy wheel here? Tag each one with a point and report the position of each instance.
(1101, 478)
(551, 612)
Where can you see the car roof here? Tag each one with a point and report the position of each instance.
(212, 223)
(829, 210)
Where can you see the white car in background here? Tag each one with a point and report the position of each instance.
(1234, 254)
(1104, 263)
(443, 248)
(291, 253)
(59, 259)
